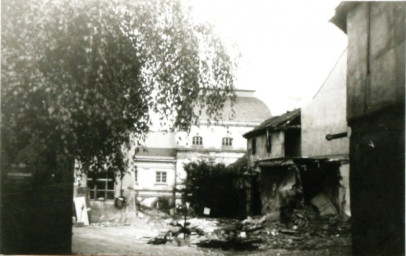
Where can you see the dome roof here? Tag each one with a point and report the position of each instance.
(246, 110)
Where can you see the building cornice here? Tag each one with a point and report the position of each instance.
(210, 150)
(204, 122)
(156, 159)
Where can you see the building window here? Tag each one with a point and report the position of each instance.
(227, 142)
(136, 175)
(253, 146)
(268, 142)
(160, 177)
(197, 140)
(102, 187)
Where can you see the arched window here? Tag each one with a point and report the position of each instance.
(227, 142)
(197, 140)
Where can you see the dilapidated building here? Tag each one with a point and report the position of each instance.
(269, 146)
(299, 160)
(324, 127)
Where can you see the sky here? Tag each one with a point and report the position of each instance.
(287, 48)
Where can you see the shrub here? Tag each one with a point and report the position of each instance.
(214, 186)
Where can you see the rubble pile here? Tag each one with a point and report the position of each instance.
(263, 232)
(318, 233)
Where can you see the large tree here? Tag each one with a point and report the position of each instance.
(78, 77)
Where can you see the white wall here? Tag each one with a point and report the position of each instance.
(146, 178)
(212, 148)
(159, 139)
(213, 135)
(326, 114)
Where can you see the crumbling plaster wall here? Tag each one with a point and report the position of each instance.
(290, 186)
(277, 147)
(344, 190)
(274, 183)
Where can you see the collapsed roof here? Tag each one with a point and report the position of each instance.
(276, 123)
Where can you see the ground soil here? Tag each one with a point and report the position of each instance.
(132, 240)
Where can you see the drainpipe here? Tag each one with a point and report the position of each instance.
(336, 136)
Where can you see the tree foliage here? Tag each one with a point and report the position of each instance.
(78, 77)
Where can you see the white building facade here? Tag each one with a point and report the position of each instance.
(160, 165)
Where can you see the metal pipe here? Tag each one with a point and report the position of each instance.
(336, 136)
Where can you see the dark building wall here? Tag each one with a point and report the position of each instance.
(375, 113)
(37, 215)
(376, 57)
(377, 184)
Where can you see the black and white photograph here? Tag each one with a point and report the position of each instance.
(202, 127)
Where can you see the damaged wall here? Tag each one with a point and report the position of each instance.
(275, 184)
(321, 186)
(286, 187)
(326, 114)
(261, 152)
(344, 192)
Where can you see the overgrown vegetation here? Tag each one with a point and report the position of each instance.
(216, 187)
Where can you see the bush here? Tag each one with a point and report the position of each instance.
(214, 186)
